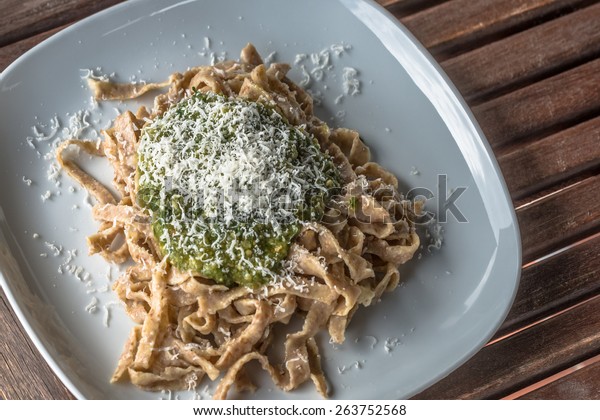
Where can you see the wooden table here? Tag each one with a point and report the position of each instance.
(530, 70)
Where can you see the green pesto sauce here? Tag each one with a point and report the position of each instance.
(246, 247)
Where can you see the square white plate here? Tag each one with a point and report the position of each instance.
(451, 301)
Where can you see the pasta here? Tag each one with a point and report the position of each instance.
(189, 326)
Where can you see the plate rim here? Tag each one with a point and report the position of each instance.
(460, 104)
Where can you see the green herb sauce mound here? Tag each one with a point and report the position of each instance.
(229, 183)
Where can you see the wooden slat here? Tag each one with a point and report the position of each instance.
(553, 221)
(580, 384)
(460, 25)
(401, 8)
(386, 3)
(20, 20)
(554, 188)
(527, 56)
(555, 158)
(11, 52)
(543, 107)
(408, 3)
(23, 372)
(526, 357)
(556, 283)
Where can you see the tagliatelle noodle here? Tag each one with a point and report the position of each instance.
(190, 327)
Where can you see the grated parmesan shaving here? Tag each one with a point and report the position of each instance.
(299, 58)
(40, 136)
(107, 312)
(390, 344)
(235, 164)
(351, 84)
(56, 249)
(356, 365)
(92, 306)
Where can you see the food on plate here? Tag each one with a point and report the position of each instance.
(238, 210)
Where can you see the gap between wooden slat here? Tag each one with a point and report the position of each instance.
(520, 202)
(538, 322)
(540, 52)
(526, 357)
(20, 20)
(531, 388)
(462, 25)
(561, 250)
(403, 8)
(549, 195)
(33, 378)
(485, 384)
(556, 183)
(555, 282)
(537, 165)
(559, 219)
(542, 108)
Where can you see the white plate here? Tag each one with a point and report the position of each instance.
(452, 300)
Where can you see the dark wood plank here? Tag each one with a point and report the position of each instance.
(401, 8)
(21, 20)
(520, 202)
(537, 165)
(423, 4)
(23, 372)
(386, 3)
(556, 283)
(543, 107)
(527, 56)
(459, 25)
(11, 52)
(580, 384)
(554, 221)
(526, 357)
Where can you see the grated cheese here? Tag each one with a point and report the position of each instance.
(54, 125)
(56, 249)
(437, 235)
(339, 48)
(390, 344)
(305, 77)
(351, 84)
(107, 312)
(299, 58)
(92, 306)
(356, 365)
(46, 196)
(270, 58)
(218, 161)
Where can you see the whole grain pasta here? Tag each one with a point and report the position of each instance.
(189, 326)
